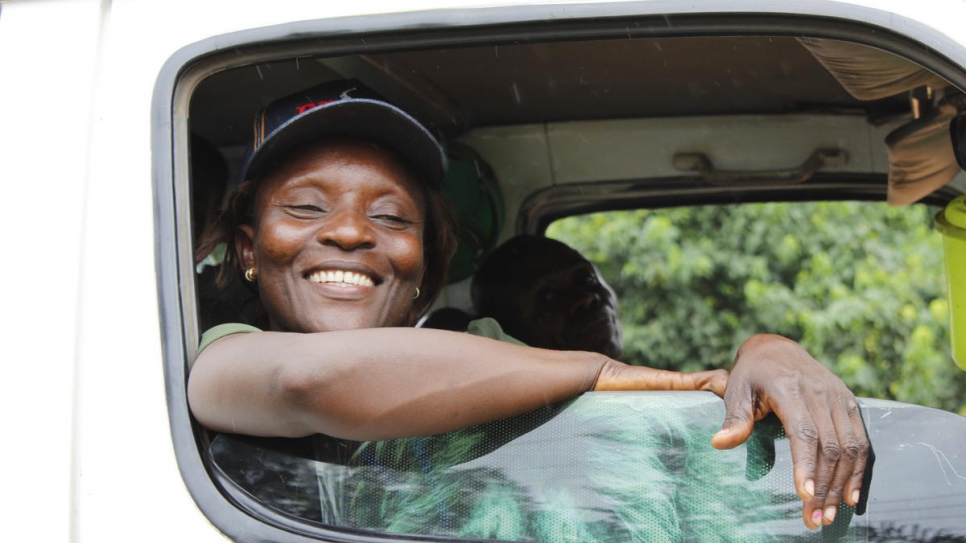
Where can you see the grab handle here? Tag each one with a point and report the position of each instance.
(701, 164)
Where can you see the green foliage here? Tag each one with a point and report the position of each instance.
(859, 284)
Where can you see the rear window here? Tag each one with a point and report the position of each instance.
(860, 284)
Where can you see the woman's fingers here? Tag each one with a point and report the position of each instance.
(828, 441)
(830, 458)
(739, 417)
(829, 464)
(816, 457)
(854, 447)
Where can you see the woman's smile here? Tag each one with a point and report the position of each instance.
(342, 278)
(342, 285)
(344, 281)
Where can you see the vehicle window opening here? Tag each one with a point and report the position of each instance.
(472, 484)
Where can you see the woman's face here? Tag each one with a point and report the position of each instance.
(338, 239)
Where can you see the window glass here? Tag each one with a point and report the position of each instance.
(859, 284)
(612, 467)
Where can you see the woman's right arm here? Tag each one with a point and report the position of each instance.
(385, 383)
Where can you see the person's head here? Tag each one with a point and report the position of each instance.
(341, 221)
(547, 295)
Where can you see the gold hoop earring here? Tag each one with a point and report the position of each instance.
(417, 293)
(250, 275)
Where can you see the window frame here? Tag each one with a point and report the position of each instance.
(232, 512)
(545, 206)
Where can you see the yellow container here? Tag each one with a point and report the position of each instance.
(951, 222)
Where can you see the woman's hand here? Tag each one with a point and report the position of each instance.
(829, 444)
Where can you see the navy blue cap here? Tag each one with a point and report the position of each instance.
(341, 108)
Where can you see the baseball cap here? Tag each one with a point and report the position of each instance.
(341, 108)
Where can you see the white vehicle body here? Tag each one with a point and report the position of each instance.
(87, 443)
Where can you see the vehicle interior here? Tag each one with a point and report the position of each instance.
(598, 132)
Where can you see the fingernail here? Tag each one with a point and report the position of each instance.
(810, 488)
(817, 516)
(724, 430)
(855, 496)
(829, 513)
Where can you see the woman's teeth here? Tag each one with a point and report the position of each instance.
(343, 277)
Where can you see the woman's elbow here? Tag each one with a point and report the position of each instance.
(309, 400)
(299, 387)
(319, 402)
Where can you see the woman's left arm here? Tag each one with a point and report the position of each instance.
(829, 444)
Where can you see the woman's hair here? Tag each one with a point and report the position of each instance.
(239, 209)
(439, 239)
(439, 244)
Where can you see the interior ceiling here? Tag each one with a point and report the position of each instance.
(454, 90)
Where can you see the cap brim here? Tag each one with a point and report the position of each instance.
(359, 118)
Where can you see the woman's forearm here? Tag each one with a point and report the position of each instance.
(376, 383)
(397, 382)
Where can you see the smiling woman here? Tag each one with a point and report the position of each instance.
(341, 229)
(305, 170)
